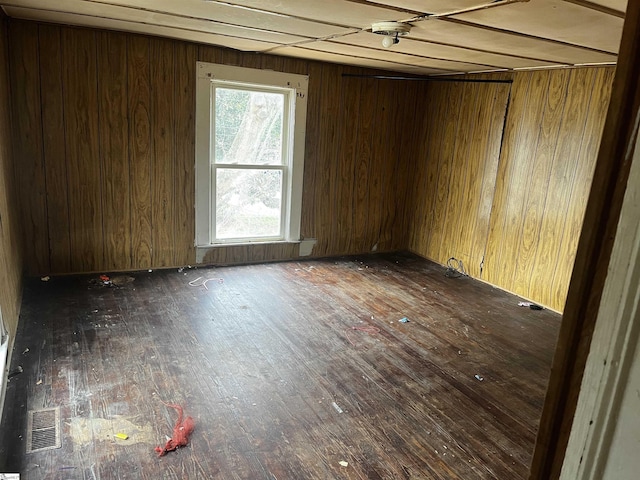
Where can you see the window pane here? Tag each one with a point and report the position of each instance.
(248, 127)
(248, 203)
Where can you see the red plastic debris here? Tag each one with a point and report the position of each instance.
(181, 432)
(104, 278)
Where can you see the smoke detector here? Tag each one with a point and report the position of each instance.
(391, 31)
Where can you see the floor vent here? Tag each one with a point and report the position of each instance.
(43, 429)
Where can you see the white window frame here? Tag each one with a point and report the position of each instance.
(295, 86)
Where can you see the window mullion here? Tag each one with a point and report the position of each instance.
(249, 166)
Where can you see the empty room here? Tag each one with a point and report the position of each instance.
(344, 239)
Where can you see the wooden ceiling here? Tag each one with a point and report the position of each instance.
(447, 36)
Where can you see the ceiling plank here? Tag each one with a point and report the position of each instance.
(357, 15)
(323, 56)
(399, 58)
(430, 6)
(393, 5)
(226, 12)
(611, 7)
(556, 20)
(435, 7)
(453, 32)
(135, 27)
(160, 19)
(440, 51)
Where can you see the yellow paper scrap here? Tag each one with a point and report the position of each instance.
(122, 436)
(343, 463)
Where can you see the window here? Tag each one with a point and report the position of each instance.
(250, 127)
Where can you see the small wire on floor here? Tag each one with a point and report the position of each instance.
(194, 283)
(455, 268)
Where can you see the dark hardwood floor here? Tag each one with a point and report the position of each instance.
(279, 382)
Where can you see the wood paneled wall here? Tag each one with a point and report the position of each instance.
(104, 137)
(10, 244)
(549, 153)
(105, 143)
(456, 170)
(542, 178)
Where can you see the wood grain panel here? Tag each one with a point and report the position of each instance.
(533, 212)
(295, 65)
(546, 199)
(319, 177)
(411, 98)
(588, 152)
(426, 166)
(27, 130)
(560, 183)
(523, 214)
(510, 213)
(476, 192)
(275, 63)
(240, 254)
(381, 210)
(364, 167)
(494, 268)
(82, 149)
(333, 181)
(114, 149)
(493, 138)
(11, 251)
(184, 226)
(347, 154)
(140, 148)
(251, 60)
(378, 152)
(451, 126)
(454, 195)
(448, 109)
(209, 54)
(164, 158)
(54, 148)
(393, 115)
(312, 150)
(454, 187)
(231, 57)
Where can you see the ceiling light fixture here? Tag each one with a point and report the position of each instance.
(391, 31)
